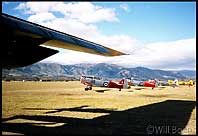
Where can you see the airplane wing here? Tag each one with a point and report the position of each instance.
(22, 38)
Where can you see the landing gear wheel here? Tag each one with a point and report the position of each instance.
(90, 88)
(86, 89)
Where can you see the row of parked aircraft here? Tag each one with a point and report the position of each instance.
(125, 83)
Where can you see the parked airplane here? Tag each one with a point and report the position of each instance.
(135, 82)
(21, 40)
(163, 83)
(173, 83)
(91, 81)
(150, 83)
(189, 83)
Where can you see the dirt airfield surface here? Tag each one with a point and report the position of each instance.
(65, 108)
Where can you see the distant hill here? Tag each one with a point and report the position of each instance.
(188, 73)
(102, 69)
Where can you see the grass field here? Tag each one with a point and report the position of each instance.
(65, 108)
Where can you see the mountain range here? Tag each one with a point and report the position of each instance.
(108, 71)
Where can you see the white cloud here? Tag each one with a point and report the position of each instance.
(163, 55)
(36, 7)
(120, 42)
(41, 17)
(72, 26)
(124, 7)
(84, 12)
(21, 6)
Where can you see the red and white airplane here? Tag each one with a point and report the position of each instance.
(91, 81)
(150, 83)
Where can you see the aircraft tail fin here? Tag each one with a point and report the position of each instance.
(156, 82)
(176, 82)
(124, 82)
(121, 81)
(82, 80)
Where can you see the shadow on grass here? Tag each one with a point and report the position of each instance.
(76, 109)
(162, 87)
(102, 91)
(149, 119)
(140, 88)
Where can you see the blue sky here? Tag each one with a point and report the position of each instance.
(157, 21)
(144, 24)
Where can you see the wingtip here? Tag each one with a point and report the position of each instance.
(117, 53)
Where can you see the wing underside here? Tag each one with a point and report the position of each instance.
(22, 39)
